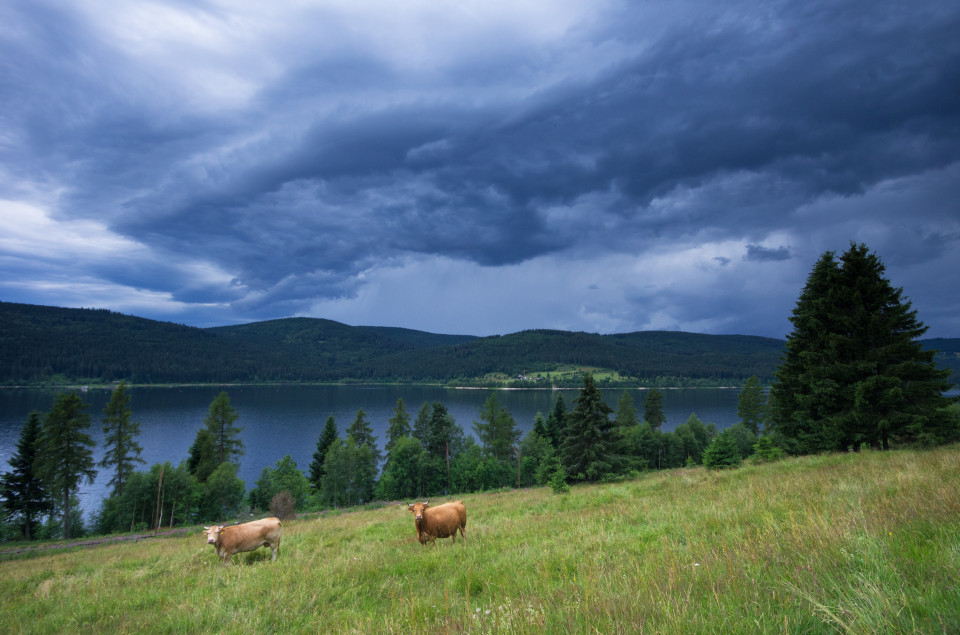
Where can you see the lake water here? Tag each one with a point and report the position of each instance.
(281, 420)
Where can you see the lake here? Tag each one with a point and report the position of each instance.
(281, 420)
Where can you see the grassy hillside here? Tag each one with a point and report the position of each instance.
(857, 543)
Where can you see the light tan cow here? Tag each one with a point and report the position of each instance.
(230, 539)
(442, 521)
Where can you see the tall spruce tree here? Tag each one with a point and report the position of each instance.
(327, 437)
(805, 393)
(540, 427)
(557, 422)
(219, 421)
(440, 431)
(24, 496)
(854, 372)
(66, 457)
(202, 456)
(362, 433)
(497, 429)
(421, 425)
(592, 448)
(367, 456)
(653, 409)
(399, 425)
(626, 411)
(120, 434)
(751, 403)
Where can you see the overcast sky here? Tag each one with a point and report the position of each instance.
(476, 167)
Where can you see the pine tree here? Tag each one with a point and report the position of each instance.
(626, 411)
(22, 489)
(442, 435)
(722, 452)
(223, 493)
(66, 456)
(399, 425)
(403, 475)
(497, 430)
(219, 421)
(750, 405)
(362, 433)
(327, 438)
(337, 469)
(804, 393)
(421, 425)
(854, 372)
(440, 431)
(557, 422)
(592, 448)
(540, 427)
(120, 438)
(653, 409)
(202, 456)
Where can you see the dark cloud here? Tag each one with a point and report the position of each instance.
(758, 253)
(301, 170)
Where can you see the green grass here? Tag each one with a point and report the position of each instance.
(858, 543)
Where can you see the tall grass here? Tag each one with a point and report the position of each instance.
(865, 543)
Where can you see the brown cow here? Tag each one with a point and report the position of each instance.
(228, 540)
(441, 521)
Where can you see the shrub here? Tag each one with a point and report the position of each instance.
(283, 506)
(722, 452)
(764, 451)
(558, 481)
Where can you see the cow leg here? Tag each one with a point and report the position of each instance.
(462, 535)
(275, 549)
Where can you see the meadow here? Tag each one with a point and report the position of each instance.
(853, 543)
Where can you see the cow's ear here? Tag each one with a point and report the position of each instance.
(427, 504)
(205, 530)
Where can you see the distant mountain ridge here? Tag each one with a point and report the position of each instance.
(42, 344)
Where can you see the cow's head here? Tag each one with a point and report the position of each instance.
(417, 509)
(212, 533)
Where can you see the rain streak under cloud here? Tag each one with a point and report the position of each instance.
(476, 167)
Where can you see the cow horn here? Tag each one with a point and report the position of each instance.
(410, 505)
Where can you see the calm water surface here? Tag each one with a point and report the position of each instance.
(281, 420)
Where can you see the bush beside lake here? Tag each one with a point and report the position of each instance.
(864, 543)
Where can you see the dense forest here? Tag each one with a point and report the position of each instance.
(44, 345)
(40, 344)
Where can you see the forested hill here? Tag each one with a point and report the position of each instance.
(40, 344)
(644, 355)
(948, 354)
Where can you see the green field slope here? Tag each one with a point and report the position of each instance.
(855, 543)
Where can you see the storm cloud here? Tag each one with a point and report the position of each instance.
(476, 167)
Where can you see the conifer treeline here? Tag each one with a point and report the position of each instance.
(50, 345)
(425, 456)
